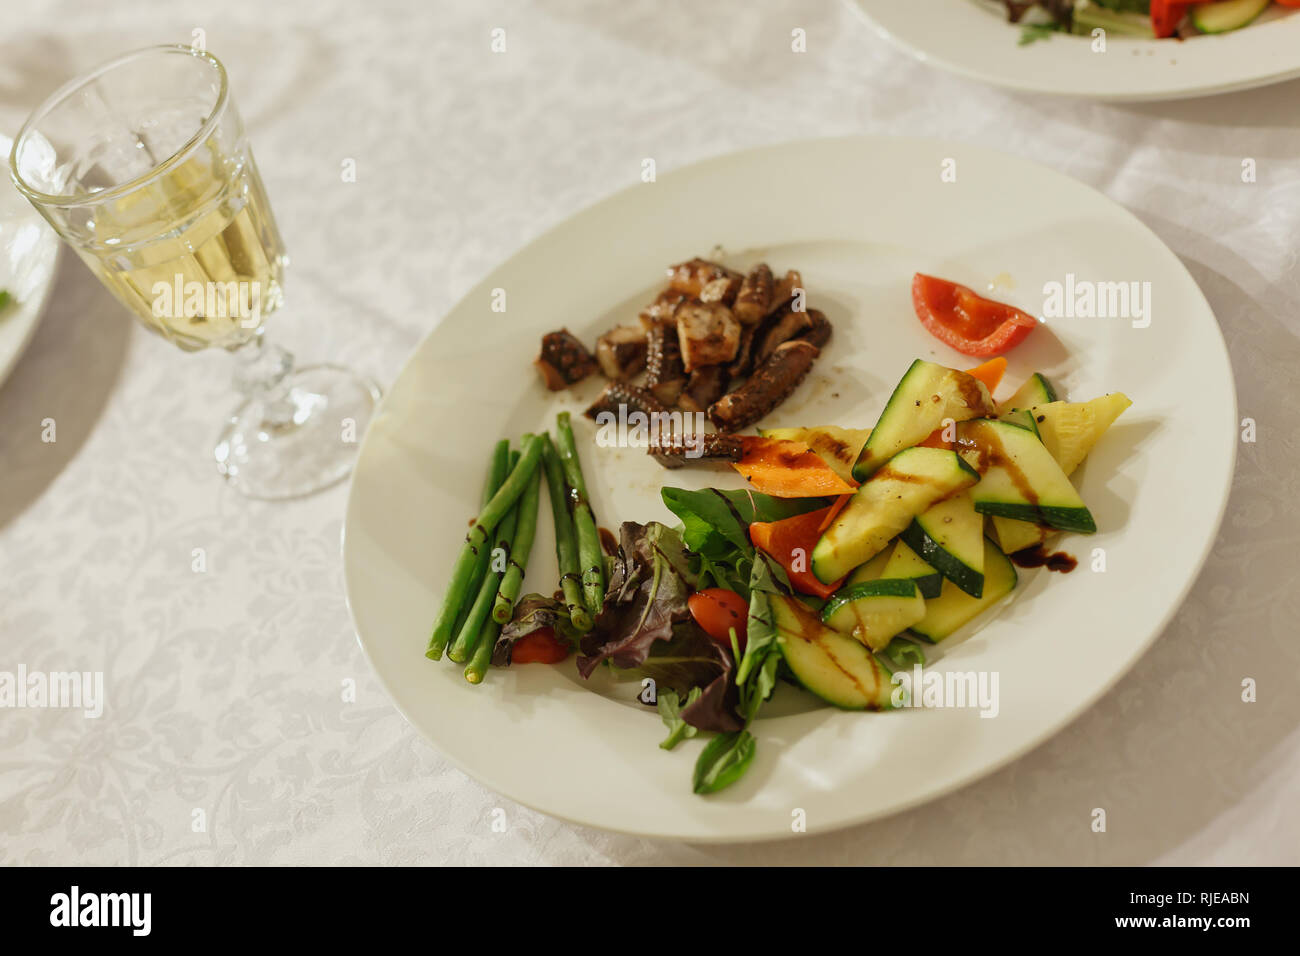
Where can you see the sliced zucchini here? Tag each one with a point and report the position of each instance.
(1016, 535)
(925, 396)
(1037, 390)
(873, 570)
(949, 536)
(836, 446)
(838, 669)
(1020, 479)
(874, 611)
(1225, 15)
(1023, 417)
(954, 607)
(883, 506)
(1070, 429)
(905, 563)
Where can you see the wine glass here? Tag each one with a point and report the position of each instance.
(142, 166)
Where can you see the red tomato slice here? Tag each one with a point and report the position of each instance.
(1166, 15)
(717, 611)
(539, 647)
(968, 322)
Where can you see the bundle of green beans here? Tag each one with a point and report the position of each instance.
(467, 601)
(489, 572)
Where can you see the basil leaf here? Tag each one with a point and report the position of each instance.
(760, 689)
(768, 575)
(761, 634)
(723, 761)
(670, 710)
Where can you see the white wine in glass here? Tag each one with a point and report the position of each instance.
(143, 167)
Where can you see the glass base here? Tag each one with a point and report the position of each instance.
(305, 442)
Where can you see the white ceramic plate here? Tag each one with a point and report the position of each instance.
(973, 38)
(858, 217)
(29, 252)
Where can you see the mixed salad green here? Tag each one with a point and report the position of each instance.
(1140, 18)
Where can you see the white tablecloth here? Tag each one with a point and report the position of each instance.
(224, 687)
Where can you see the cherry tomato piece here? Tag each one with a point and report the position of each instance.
(717, 611)
(539, 647)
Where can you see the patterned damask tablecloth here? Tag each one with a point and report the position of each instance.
(225, 686)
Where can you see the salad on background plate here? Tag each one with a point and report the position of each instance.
(1149, 19)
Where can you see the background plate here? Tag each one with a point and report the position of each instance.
(29, 252)
(858, 217)
(974, 39)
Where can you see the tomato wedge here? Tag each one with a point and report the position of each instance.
(965, 320)
(539, 647)
(1166, 15)
(717, 611)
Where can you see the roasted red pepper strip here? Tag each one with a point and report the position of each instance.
(790, 543)
(965, 320)
(1166, 15)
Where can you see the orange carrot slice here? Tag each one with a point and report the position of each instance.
(787, 469)
(990, 372)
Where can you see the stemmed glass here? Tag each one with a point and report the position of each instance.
(143, 167)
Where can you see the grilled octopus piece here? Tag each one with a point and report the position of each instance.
(621, 351)
(781, 326)
(621, 393)
(563, 360)
(665, 374)
(771, 384)
(663, 310)
(754, 299)
(744, 361)
(704, 387)
(690, 278)
(819, 329)
(784, 289)
(707, 334)
(722, 289)
(676, 452)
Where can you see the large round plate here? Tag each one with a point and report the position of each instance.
(974, 39)
(857, 216)
(29, 252)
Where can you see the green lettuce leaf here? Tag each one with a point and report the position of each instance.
(670, 712)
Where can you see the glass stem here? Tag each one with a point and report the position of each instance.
(262, 375)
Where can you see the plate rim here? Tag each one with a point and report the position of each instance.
(926, 794)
